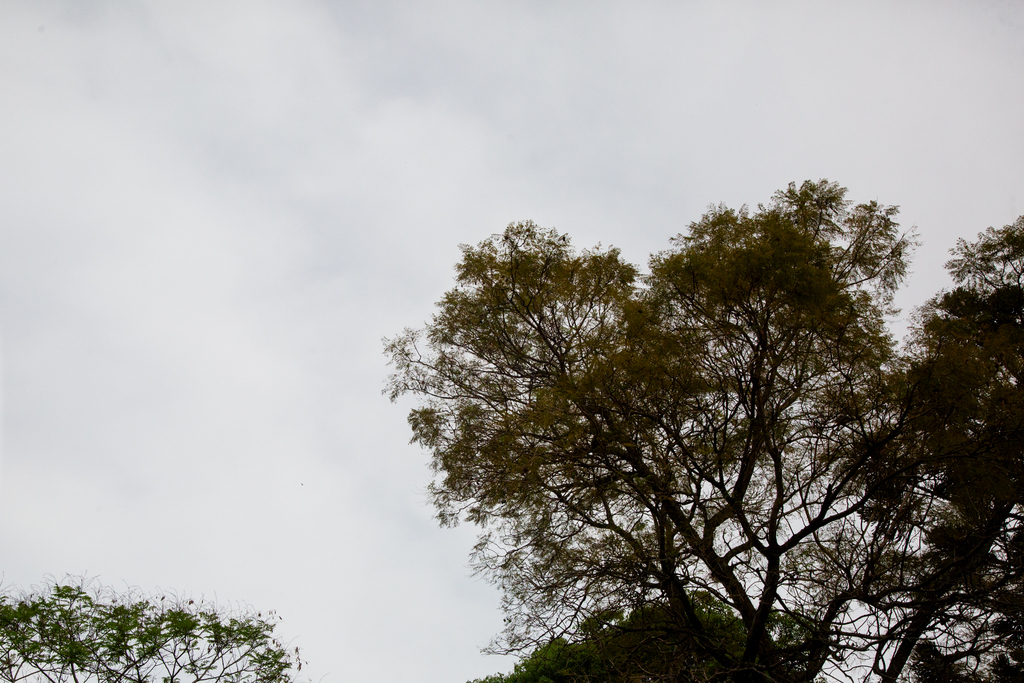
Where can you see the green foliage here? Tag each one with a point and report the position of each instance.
(640, 646)
(69, 632)
(555, 662)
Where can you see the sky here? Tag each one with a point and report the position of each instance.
(211, 213)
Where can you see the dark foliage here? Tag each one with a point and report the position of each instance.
(737, 425)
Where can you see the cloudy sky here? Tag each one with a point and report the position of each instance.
(212, 212)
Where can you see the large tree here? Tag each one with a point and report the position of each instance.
(736, 425)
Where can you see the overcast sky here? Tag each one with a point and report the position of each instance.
(212, 212)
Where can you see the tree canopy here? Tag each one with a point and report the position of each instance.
(70, 632)
(736, 425)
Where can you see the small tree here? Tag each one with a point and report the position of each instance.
(72, 632)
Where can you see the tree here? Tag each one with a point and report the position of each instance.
(737, 423)
(69, 632)
(970, 365)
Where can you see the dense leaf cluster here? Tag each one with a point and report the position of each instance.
(619, 647)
